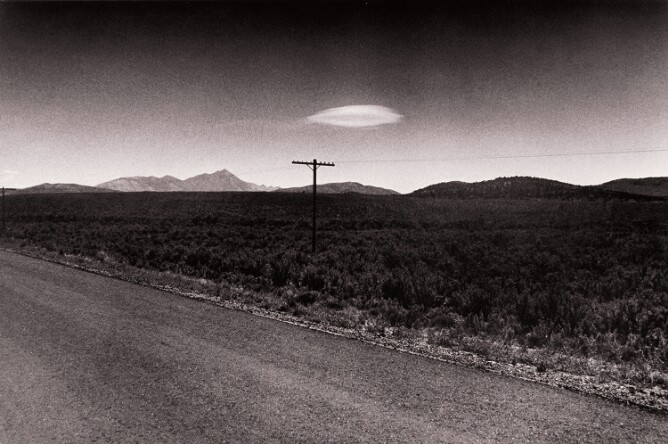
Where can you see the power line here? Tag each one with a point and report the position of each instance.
(464, 158)
(510, 156)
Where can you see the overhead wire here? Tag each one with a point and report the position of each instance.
(464, 158)
(508, 156)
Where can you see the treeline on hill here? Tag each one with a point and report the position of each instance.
(590, 277)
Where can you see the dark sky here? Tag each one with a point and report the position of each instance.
(94, 91)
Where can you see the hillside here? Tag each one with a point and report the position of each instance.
(521, 188)
(52, 188)
(648, 186)
(219, 181)
(341, 188)
(140, 183)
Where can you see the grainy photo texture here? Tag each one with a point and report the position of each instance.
(334, 221)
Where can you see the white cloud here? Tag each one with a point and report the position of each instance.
(356, 116)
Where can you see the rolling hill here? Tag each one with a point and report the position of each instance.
(648, 186)
(341, 188)
(53, 188)
(221, 180)
(522, 188)
(139, 183)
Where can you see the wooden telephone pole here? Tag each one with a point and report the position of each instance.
(3, 205)
(314, 166)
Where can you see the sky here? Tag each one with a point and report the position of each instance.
(397, 94)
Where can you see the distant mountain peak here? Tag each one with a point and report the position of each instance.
(221, 180)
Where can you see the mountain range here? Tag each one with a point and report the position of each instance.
(502, 187)
(53, 188)
(221, 180)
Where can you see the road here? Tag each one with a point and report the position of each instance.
(86, 358)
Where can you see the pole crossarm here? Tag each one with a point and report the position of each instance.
(313, 166)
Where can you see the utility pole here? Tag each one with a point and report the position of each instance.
(314, 166)
(3, 205)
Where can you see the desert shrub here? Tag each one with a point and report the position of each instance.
(281, 271)
(313, 278)
(334, 303)
(307, 297)
(540, 273)
(444, 320)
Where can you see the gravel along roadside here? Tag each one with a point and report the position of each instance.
(650, 398)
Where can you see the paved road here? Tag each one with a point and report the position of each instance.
(84, 358)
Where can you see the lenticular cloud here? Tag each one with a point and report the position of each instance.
(356, 116)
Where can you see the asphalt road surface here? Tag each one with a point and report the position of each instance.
(85, 358)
